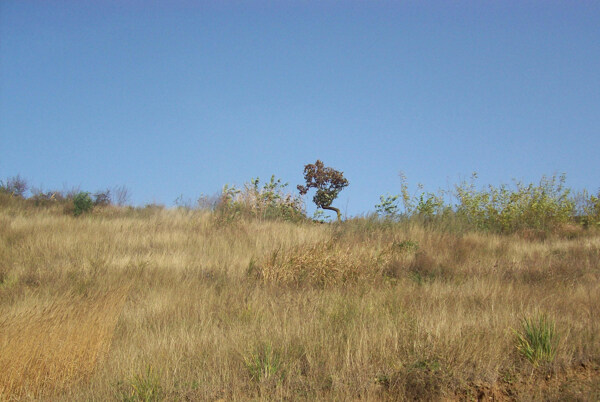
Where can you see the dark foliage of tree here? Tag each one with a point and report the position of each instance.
(327, 181)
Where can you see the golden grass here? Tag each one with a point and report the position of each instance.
(272, 310)
(47, 346)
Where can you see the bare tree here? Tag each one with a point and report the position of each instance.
(120, 195)
(15, 186)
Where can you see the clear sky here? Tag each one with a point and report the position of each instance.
(180, 97)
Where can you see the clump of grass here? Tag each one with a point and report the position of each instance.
(424, 379)
(344, 261)
(264, 363)
(143, 387)
(271, 202)
(406, 246)
(424, 268)
(537, 340)
(322, 264)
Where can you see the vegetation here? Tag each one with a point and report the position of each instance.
(588, 209)
(537, 341)
(244, 298)
(14, 186)
(539, 207)
(82, 203)
(141, 387)
(327, 181)
(548, 206)
(388, 209)
(270, 202)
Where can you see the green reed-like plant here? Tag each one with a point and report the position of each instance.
(537, 339)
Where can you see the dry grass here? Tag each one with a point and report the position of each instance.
(50, 345)
(270, 310)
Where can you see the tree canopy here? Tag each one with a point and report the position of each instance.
(327, 181)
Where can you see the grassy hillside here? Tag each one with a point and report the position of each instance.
(152, 304)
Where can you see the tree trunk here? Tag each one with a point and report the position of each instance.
(337, 211)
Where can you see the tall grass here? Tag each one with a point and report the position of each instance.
(49, 346)
(269, 202)
(269, 309)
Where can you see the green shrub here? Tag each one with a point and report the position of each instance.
(430, 205)
(540, 207)
(537, 340)
(388, 209)
(426, 205)
(82, 203)
(588, 209)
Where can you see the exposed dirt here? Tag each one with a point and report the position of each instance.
(580, 383)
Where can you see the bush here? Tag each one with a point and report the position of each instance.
(42, 198)
(270, 202)
(120, 195)
(540, 207)
(102, 198)
(426, 205)
(588, 209)
(388, 209)
(14, 186)
(82, 203)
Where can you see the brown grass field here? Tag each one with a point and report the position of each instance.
(129, 305)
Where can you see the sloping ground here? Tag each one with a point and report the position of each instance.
(178, 305)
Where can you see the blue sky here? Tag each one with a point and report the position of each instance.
(177, 98)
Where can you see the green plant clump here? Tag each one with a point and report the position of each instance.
(82, 203)
(143, 387)
(541, 207)
(537, 340)
(264, 363)
(589, 209)
(388, 209)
